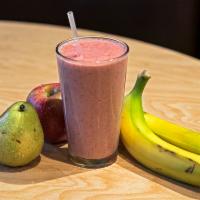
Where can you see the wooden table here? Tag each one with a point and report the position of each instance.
(27, 58)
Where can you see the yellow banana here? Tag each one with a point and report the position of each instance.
(174, 134)
(149, 149)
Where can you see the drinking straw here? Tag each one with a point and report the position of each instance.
(72, 24)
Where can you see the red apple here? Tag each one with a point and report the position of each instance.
(47, 101)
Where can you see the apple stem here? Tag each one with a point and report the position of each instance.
(53, 91)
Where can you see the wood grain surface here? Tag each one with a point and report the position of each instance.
(27, 59)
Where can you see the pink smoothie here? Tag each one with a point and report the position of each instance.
(92, 73)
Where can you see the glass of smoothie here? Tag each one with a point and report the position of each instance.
(92, 72)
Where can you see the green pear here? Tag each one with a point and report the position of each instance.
(21, 135)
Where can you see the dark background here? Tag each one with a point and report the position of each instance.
(170, 23)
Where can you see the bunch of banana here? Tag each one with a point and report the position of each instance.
(163, 147)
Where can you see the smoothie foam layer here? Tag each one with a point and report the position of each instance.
(93, 50)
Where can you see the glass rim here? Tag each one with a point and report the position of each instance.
(94, 37)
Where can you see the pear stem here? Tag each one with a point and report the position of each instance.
(21, 107)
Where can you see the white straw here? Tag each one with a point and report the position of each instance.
(72, 24)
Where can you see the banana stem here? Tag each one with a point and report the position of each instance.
(141, 81)
(136, 103)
